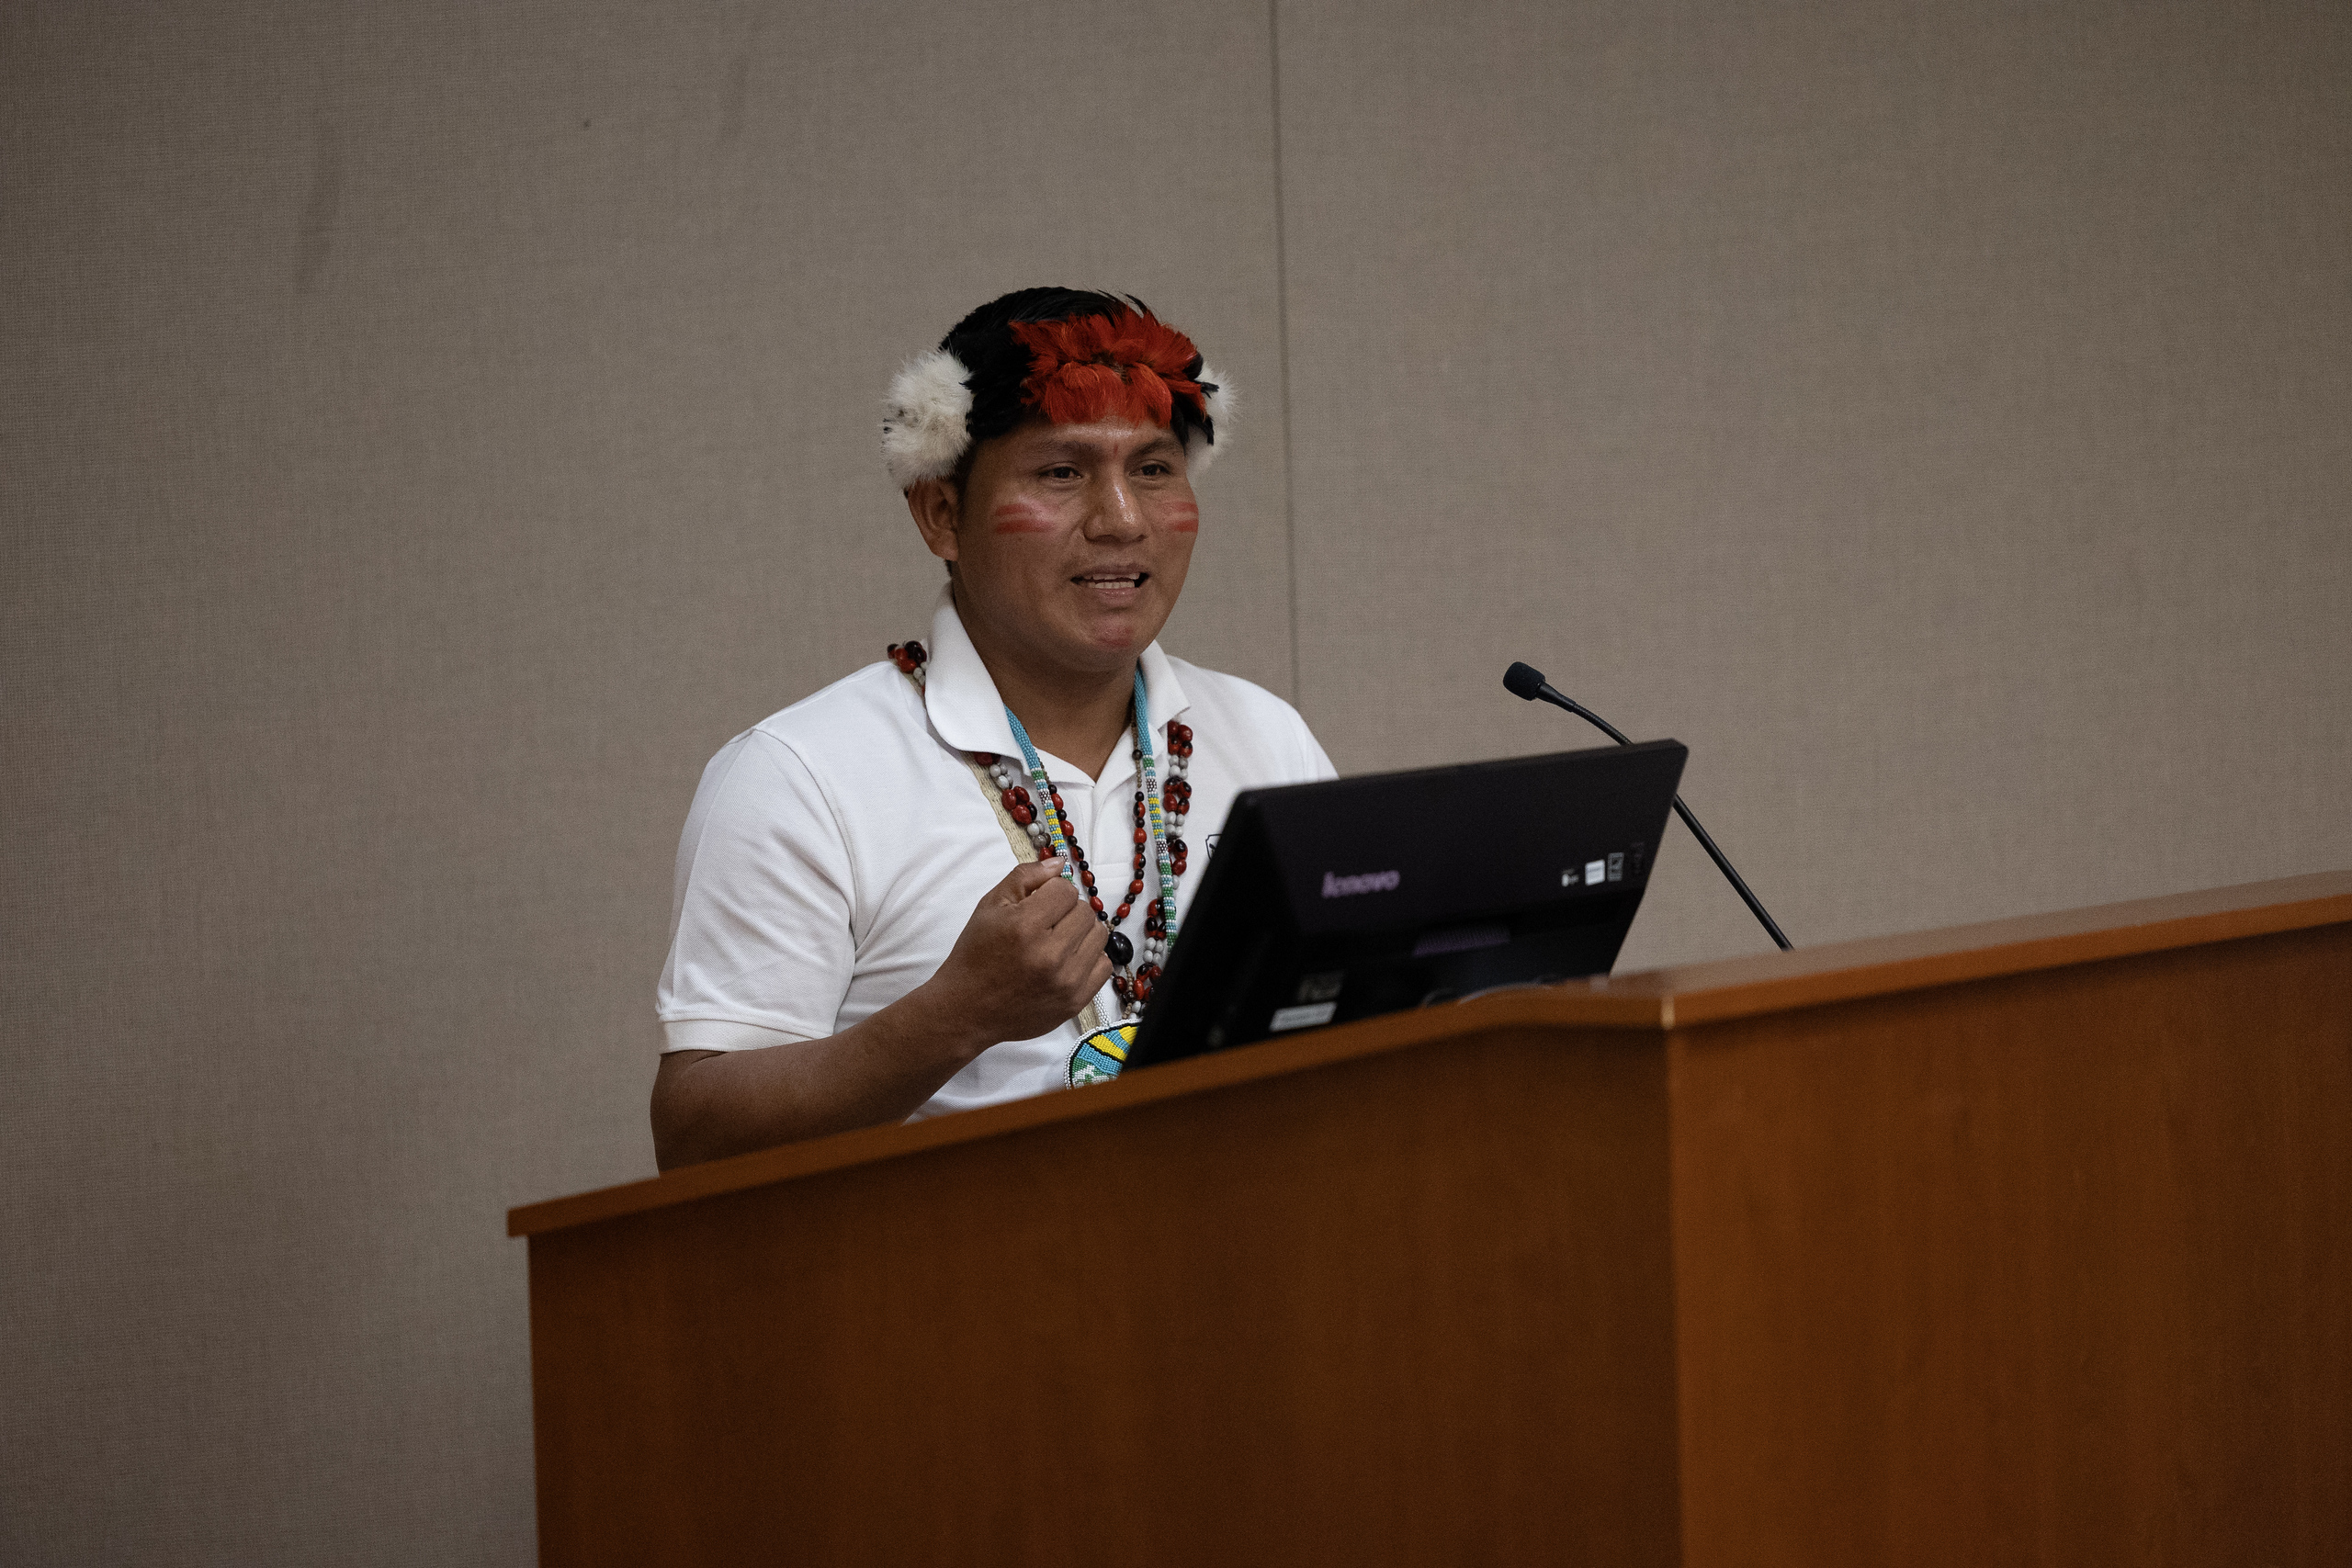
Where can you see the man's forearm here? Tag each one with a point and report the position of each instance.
(710, 1104)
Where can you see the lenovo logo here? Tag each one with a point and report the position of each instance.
(1336, 886)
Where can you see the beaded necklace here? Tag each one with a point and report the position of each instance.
(1160, 808)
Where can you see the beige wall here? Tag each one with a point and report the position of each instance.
(429, 430)
(1939, 417)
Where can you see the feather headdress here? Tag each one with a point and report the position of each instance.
(924, 432)
(1115, 360)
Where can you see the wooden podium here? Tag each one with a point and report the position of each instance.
(2028, 1242)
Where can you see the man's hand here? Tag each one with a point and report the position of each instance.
(1029, 958)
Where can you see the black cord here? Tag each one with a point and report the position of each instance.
(1522, 686)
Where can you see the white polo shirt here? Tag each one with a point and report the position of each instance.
(835, 850)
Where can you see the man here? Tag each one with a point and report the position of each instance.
(950, 878)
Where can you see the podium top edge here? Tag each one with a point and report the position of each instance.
(1651, 1002)
(1728, 989)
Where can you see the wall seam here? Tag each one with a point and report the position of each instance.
(1282, 333)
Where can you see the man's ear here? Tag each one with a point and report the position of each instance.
(936, 507)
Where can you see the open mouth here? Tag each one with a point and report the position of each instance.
(1111, 579)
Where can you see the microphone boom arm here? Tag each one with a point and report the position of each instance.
(1523, 680)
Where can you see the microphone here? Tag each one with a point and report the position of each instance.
(1526, 682)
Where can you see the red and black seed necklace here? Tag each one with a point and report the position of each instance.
(1160, 807)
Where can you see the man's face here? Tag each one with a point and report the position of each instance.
(1070, 542)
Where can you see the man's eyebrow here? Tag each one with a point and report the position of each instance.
(1062, 446)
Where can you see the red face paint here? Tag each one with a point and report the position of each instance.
(1183, 517)
(1021, 517)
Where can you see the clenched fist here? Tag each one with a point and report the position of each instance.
(1029, 958)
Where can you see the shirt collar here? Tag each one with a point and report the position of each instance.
(969, 716)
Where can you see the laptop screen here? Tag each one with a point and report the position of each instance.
(1328, 902)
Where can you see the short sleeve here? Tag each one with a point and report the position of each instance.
(765, 895)
(1315, 765)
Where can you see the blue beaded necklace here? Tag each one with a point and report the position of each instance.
(1159, 933)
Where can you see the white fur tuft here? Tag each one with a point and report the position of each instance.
(1200, 453)
(924, 432)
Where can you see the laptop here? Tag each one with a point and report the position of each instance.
(1324, 903)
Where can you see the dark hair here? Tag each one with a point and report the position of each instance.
(998, 362)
